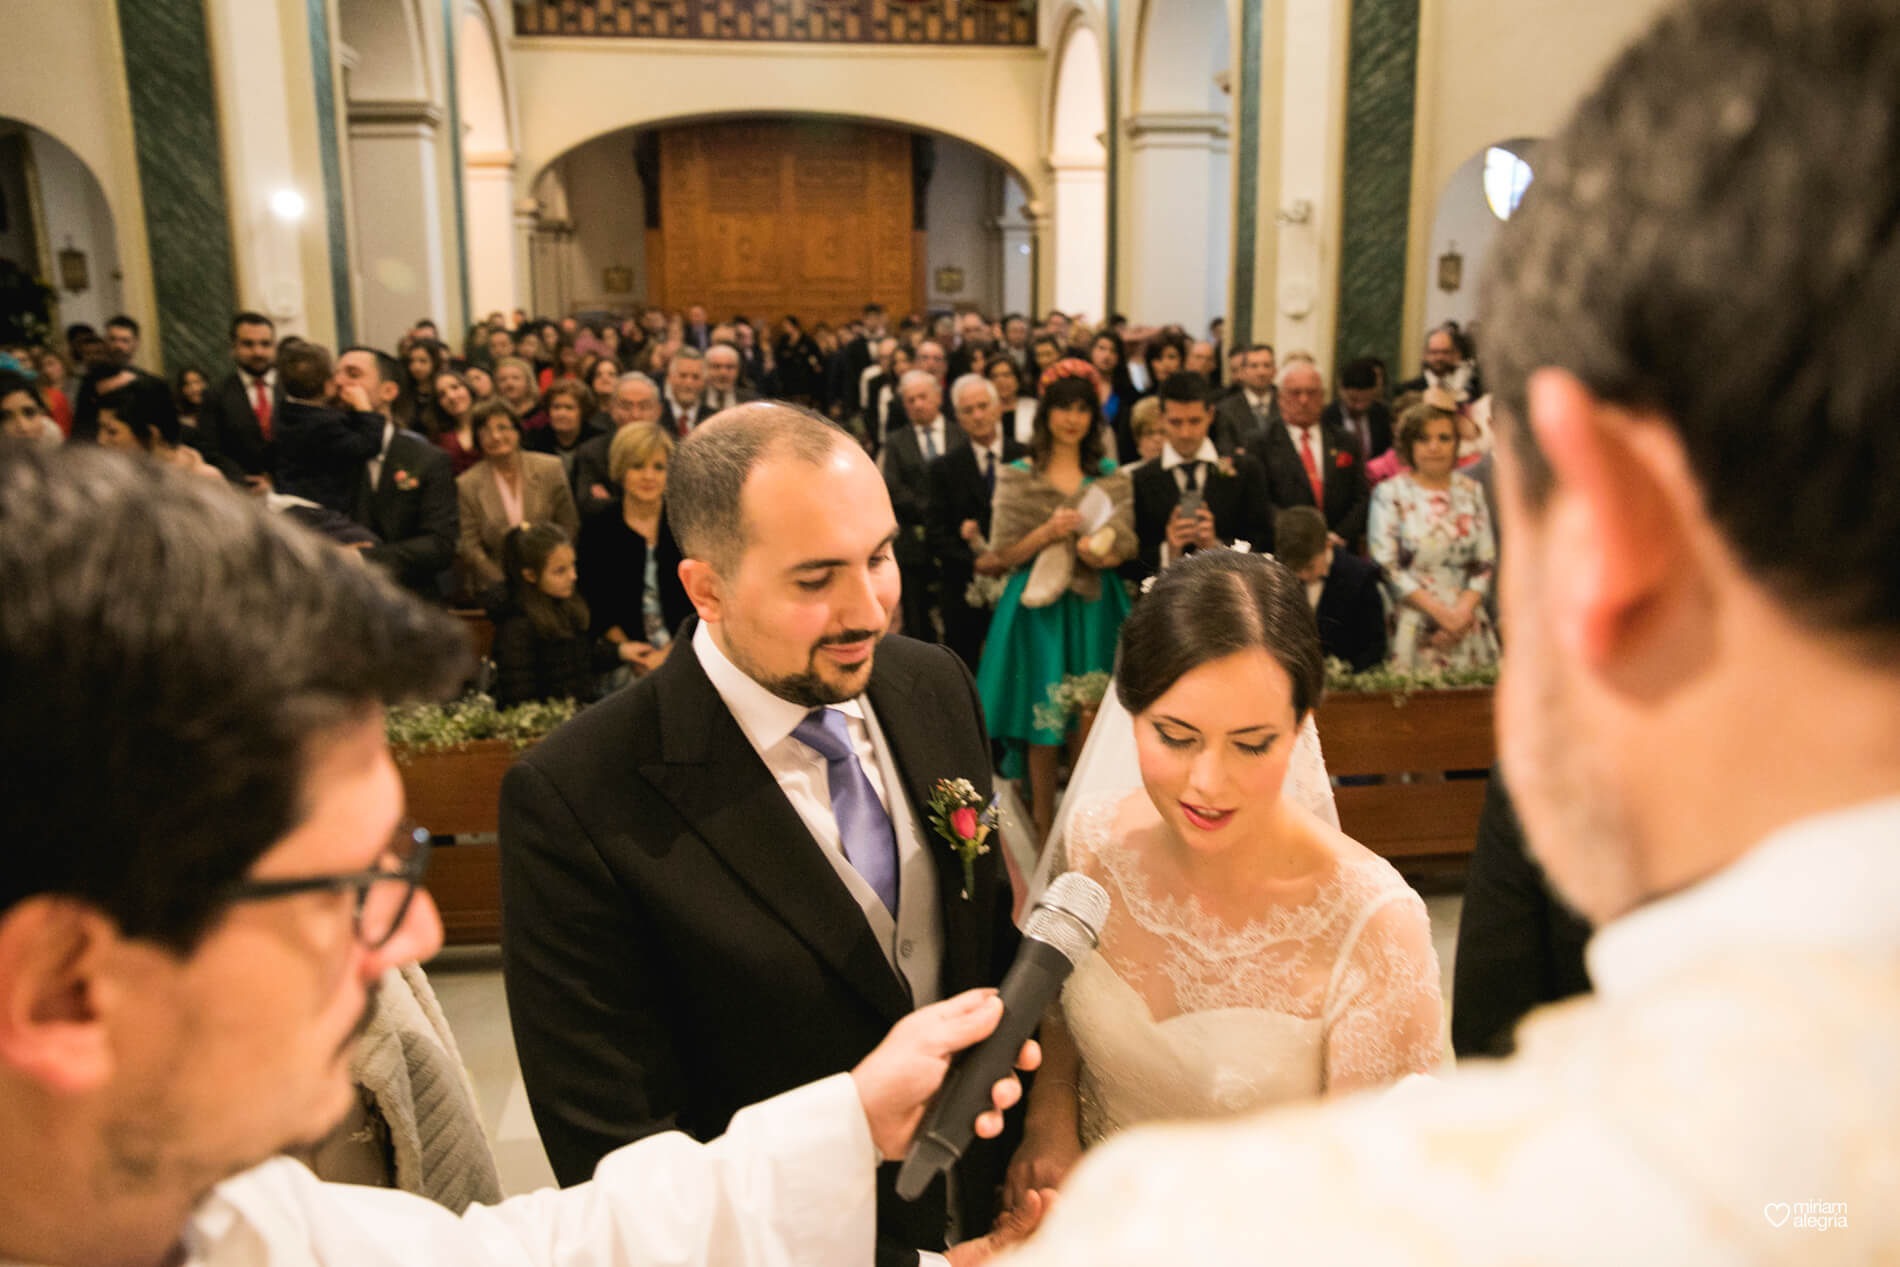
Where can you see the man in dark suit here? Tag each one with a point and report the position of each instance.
(908, 453)
(1447, 366)
(1519, 945)
(683, 406)
(1309, 464)
(1358, 411)
(962, 484)
(697, 332)
(1229, 495)
(723, 388)
(636, 398)
(1252, 405)
(719, 882)
(406, 495)
(1342, 587)
(235, 418)
(861, 352)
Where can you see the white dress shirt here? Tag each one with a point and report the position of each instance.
(792, 1181)
(376, 463)
(1727, 1088)
(939, 433)
(696, 411)
(912, 941)
(991, 452)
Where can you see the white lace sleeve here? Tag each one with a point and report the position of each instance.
(1385, 1015)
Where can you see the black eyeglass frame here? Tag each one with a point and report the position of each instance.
(359, 882)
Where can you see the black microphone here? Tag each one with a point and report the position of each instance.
(1060, 932)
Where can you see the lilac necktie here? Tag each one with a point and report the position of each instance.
(865, 829)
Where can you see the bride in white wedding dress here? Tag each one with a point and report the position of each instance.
(1253, 954)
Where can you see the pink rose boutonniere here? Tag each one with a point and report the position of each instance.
(407, 482)
(1224, 466)
(965, 821)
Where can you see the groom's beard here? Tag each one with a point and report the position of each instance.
(812, 688)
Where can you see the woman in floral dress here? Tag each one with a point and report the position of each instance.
(1431, 532)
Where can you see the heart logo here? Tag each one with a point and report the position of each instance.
(1777, 1212)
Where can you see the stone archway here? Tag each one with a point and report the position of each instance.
(58, 205)
(1078, 163)
(1464, 221)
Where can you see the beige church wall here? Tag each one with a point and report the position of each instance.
(63, 71)
(1489, 71)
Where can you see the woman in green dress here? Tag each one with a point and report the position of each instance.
(1063, 606)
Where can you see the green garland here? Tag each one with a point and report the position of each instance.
(1072, 696)
(435, 727)
(1402, 683)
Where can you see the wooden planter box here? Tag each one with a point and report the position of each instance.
(1375, 736)
(457, 792)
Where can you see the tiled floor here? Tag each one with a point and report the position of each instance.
(468, 980)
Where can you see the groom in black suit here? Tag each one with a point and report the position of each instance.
(720, 883)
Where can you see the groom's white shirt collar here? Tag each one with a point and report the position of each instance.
(766, 718)
(1831, 882)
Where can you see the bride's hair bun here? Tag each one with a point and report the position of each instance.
(1209, 606)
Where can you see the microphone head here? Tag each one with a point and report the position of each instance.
(1070, 916)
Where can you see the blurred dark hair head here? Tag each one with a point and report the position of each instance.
(1211, 605)
(172, 657)
(527, 549)
(1065, 392)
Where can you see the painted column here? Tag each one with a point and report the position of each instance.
(401, 256)
(278, 190)
(181, 176)
(1380, 102)
(1178, 191)
(1016, 231)
(490, 205)
(527, 216)
(1312, 130)
(1080, 184)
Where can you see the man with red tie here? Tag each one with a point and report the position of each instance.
(1309, 463)
(236, 422)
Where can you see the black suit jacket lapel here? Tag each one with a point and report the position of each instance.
(712, 777)
(922, 756)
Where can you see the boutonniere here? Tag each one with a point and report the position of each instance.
(965, 822)
(407, 482)
(1342, 459)
(1224, 466)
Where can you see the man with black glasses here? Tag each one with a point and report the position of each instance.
(206, 878)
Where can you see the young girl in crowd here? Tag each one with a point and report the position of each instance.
(542, 647)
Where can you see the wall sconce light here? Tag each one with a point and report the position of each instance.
(1451, 270)
(73, 275)
(287, 205)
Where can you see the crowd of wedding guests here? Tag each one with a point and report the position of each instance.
(1043, 476)
(1040, 472)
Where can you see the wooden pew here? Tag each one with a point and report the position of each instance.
(458, 793)
(1428, 734)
